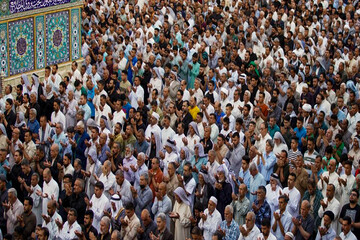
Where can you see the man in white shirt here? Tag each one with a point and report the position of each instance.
(67, 230)
(210, 219)
(346, 229)
(249, 230)
(50, 190)
(51, 218)
(12, 209)
(75, 73)
(153, 127)
(329, 177)
(107, 178)
(57, 115)
(98, 204)
(103, 109)
(122, 187)
(167, 132)
(293, 195)
(265, 230)
(330, 203)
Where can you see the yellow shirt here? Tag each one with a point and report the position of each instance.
(194, 111)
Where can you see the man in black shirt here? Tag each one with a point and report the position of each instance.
(352, 210)
(87, 227)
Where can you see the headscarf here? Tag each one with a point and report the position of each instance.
(106, 122)
(350, 85)
(21, 120)
(278, 135)
(205, 176)
(201, 150)
(158, 143)
(118, 204)
(171, 144)
(36, 80)
(256, 70)
(222, 168)
(3, 129)
(276, 178)
(194, 126)
(187, 154)
(180, 192)
(26, 80)
(92, 153)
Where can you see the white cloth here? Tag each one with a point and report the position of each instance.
(167, 133)
(52, 190)
(211, 224)
(125, 192)
(51, 226)
(68, 232)
(251, 235)
(294, 201)
(108, 182)
(151, 129)
(37, 204)
(333, 206)
(11, 215)
(333, 179)
(98, 207)
(58, 117)
(118, 117)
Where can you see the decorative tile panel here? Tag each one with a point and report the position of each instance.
(3, 49)
(21, 46)
(40, 41)
(75, 34)
(57, 38)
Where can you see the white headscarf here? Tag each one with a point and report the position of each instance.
(118, 204)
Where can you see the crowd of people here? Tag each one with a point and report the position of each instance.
(190, 119)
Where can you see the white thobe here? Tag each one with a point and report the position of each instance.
(37, 204)
(108, 182)
(294, 201)
(51, 226)
(333, 206)
(167, 133)
(211, 224)
(118, 117)
(98, 207)
(58, 117)
(333, 179)
(125, 192)
(11, 215)
(52, 190)
(251, 235)
(150, 129)
(68, 231)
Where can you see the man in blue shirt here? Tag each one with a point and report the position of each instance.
(266, 161)
(300, 131)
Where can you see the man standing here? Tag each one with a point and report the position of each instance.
(28, 219)
(129, 224)
(50, 190)
(98, 204)
(67, 230)
(142, 196)
(164, 233)
(249, 230)
(51, 218)
(293, 194)
(13, 209)
(210, 219)
(235, 153)
(240, 204)
(281, 222)
(303, 224)
(330, 203)
(265, 230)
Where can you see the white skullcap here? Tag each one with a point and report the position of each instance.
(306, 107)
(224, 90)
(213, 199)
(80, 124)
(155, 115)
(290, 234)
